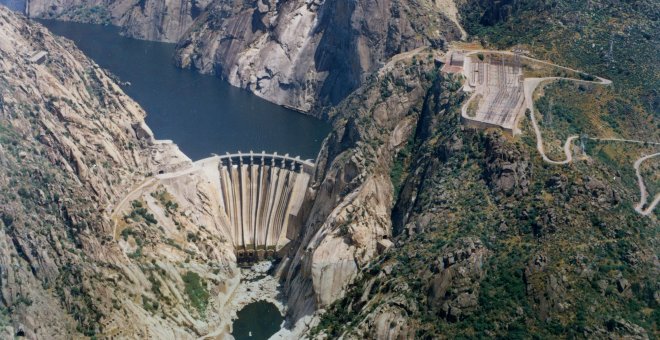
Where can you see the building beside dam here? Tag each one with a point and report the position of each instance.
(262, 201)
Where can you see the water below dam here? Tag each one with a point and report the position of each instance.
(269, 321)
(202, 114)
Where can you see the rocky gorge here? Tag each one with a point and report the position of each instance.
(153, 242)
(72, 145)
(151, 20)
(419, 227)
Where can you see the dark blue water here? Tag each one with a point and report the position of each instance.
(14, 5)
(201, 113)
(256, 321)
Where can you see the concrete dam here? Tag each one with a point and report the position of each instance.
(262, 201)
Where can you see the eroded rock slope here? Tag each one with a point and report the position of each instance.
(72, 144)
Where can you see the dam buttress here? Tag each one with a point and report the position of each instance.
(262, 197)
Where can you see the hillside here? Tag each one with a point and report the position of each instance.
(72, 144)
(490, 240)
(147, 19)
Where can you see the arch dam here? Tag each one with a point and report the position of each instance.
(262, 201)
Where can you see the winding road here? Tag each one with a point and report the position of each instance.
(119, 206)
(529, 87)
(195, 166)
(642, 189)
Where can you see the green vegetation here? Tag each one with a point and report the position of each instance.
(556, 245)
(92, 14)
(608, 38)
(140, 213)
(196, 291)
(166, 200)
(126, 233)
(149, 305)
(473, 106)
(650, 171)
(43, 200)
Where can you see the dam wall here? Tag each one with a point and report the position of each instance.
(262, 197)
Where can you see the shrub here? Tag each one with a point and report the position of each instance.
(196, 291)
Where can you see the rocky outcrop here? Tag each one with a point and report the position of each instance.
(75, 259)
(507, 170)
(300, 53)
(454, 289)
(296, 53)
(144, 19)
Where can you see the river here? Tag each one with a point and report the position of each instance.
(202, 114)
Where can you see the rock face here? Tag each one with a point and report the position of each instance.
(75, 260)
(454, 289)
(296, 53)
(300, 53)
(488, 240)
(507, 170)
(350, 220)
(163, 20)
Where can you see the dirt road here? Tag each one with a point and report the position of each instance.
(642, 188)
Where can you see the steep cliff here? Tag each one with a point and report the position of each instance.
(420, 227)
(295, 53)
(300, 53)
(349, 223)
(72, 144)
(142, 19)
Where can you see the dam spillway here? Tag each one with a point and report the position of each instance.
(261, 201)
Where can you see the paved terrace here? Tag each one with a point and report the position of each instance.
(498, 92)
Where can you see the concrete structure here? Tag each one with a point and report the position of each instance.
(497, 83)
(454, 61)
(39, 57)
(457, 59)
(262, 201)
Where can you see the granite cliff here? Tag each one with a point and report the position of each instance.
(299, 54)
(149, 19)
(304, 54)
(491, 241)
(420, 227)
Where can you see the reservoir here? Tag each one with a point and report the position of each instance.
(202, 114)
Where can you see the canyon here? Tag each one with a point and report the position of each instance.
(110, 236)
(149, 19)
(408, 224)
